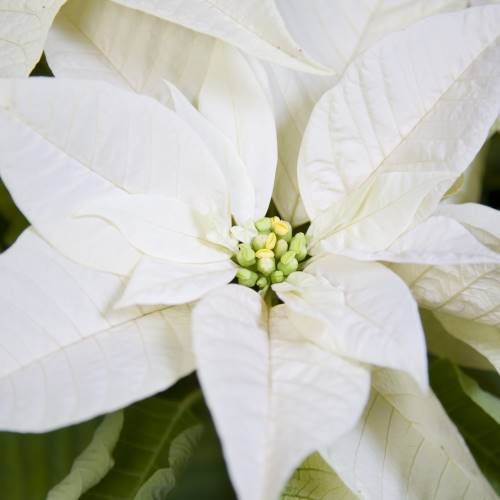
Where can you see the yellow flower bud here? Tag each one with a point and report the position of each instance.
(271, 241)
(264, 253)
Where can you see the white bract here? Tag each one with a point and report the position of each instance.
(23, 30)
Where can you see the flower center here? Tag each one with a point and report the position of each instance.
(272, 254)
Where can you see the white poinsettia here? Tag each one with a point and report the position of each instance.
(160, 211)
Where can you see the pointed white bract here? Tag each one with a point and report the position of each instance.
(286, 396)
(335, 33)
(232, 98)
(138, 53)
(156, 281)
(406, 446)
(396, 112)
(23, 30)
(358, 310)
(67, 355)
(468, 288)
(236, 171)
(64, 161)
(444, 345)
(252, 25)
(440, 239)
(484, 338)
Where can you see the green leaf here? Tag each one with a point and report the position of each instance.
(30, 464)
(474, 411)
(93, 463)
(157, 438)
(316, 480)
(163, 480)
(206, 475)
(486, 401)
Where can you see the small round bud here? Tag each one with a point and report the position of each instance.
(277, 277)
(271, 241)
(263, 225)
(288, 263)
(280, 249)
(262, 282)
(298, 244)
(264, 253)
(246, 256)
(247, 277)
(266, 265)
(259, 241)
(283, 230)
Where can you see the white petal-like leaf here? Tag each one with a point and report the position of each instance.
(370, 219)
(359, 310)
(156, 281)
(480, 220)
(458, 280)
(233, 99)
(66, 354)
(274, 401)
(166, 228)
(406, 447)
(23, 30)
(101, 40)
(334, 33)
(254, 26)
(442, 344)
(242, 192)
(440, 239)
(485, 339)
(403, 108)
(63, 143)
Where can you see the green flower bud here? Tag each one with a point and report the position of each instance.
(280, 249)
(266, 265)
(259, 241)
(247, 277)
(246, 256)
(288, 263)
(277, 277)
(262, 282)
(299, 246)
(263, 225)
